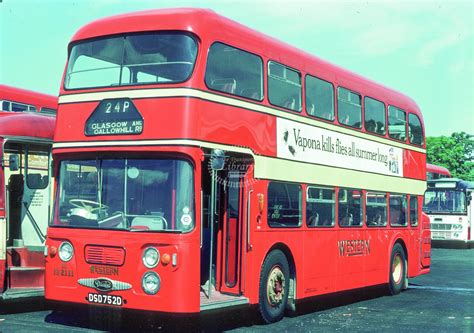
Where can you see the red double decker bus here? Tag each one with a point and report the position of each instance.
(200, 164)
(26, 135)
(434, 171)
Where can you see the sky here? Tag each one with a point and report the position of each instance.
(422, 48)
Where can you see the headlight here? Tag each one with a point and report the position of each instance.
(151, 283)
(151, 257)
(66, 251)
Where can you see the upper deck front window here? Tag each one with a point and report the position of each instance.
(131, 60)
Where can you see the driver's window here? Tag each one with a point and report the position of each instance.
(80, 181)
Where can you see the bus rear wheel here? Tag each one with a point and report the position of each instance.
(398, 270)
(273, 288)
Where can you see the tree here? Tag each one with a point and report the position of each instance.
(455, 152)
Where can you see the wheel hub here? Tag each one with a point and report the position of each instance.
(275, 286)
(397, 269)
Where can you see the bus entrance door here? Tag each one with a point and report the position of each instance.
(27, 213)
(224, 203)
(233, 220)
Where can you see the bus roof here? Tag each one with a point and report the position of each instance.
(28, 97)
(437, 169)
(203, 23)
(26, 125)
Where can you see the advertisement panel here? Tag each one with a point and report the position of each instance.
(310, 144)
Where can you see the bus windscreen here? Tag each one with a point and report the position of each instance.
(128, 194)
(446, 201)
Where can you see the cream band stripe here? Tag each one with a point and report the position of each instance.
(277, 169)
(194, 93)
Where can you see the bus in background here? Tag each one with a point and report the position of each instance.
(27, 121)
(200, 164)
(436, 172)
(448, 203)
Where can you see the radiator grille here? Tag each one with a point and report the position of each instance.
(103, 255)
(441, 226)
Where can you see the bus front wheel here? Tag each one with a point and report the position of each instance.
(398, 270)
(274, 285)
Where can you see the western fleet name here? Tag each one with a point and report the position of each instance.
(354, 247)
(116, 127)
(104, 270)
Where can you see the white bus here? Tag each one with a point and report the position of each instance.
(448, 203)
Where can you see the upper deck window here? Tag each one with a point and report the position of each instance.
(374, 116)
(319, 98)
(284, 86)
(415, 134)
(131, 60)
(17, 107)
(234, 71)
(396, 123)
(349, 108)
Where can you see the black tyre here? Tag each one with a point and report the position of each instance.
(398, 270)
(274, 284)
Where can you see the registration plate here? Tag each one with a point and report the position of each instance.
(105, 299)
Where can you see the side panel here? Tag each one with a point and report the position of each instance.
(426, 241)
(414, 164)
(320, 258)
(351, 258)
(376, 263)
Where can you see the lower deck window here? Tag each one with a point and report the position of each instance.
(376, 209)
(284, 205)
(413, 211)
(398, 210)
(349, 208)
(320, 207)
